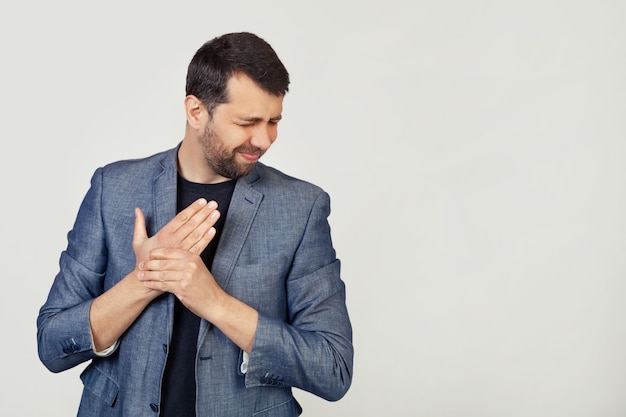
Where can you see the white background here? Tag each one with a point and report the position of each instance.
(474, 151)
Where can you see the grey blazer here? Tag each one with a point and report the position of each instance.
(275, 254)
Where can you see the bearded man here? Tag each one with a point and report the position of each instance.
(198, 281)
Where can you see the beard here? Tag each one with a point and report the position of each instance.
(223, 160)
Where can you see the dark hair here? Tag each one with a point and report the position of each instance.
(222, 57)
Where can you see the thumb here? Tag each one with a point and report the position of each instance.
(140, 233)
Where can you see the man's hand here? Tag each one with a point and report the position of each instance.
(185, 275)
(115, 310)
(192, 229)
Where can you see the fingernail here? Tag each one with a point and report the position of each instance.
(212, 204)
(202, 202)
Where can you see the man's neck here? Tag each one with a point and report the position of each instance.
(193, 167)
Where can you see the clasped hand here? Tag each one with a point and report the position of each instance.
(170, 260)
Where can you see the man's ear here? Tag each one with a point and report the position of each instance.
(195, 111)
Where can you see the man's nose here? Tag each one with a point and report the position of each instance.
(263, 137)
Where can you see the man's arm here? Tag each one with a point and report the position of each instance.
(184, 274)
(313, 351)
(115, 310)
(64, 327)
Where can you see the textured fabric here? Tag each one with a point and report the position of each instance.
(275, 254)
(178, 388)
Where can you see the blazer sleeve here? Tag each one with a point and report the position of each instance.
(63, 330)
(312, 351)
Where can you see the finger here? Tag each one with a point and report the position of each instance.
(201, 245)
(157, 285)
(196, 228)
(159, 276)
(169, 265)
(160, 254)
(184, 216)
(158, 270)
(140, 233)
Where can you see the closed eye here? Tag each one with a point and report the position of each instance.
(252, 122)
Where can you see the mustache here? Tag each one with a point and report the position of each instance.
(249, 149)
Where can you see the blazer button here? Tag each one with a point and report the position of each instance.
(154, 407)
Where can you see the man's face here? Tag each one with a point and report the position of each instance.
(242, 130)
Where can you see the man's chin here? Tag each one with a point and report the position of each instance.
(246, 168)
(241, 170)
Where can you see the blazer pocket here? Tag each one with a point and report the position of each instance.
(100, 385)
(262, 286)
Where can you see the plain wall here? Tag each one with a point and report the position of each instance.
(474, 152)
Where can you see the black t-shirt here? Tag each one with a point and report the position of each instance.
(178, 389)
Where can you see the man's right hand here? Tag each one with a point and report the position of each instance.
(192, 229)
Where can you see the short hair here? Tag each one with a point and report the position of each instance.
(222, 57)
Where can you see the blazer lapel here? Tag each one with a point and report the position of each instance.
(164, 192)
(244, 205)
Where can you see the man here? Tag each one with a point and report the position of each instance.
(230, 302)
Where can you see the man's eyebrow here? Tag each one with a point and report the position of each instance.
(260, 119)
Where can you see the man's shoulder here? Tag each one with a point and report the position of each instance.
(138, 166)
(272, 179)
